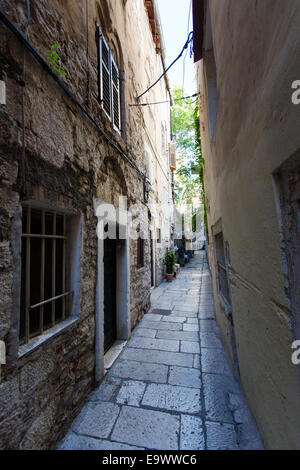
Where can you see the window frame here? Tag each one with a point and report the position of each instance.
(140, 253)
(112, 84)
(221, 267)
(67, 294)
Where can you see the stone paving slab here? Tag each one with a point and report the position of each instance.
(190, 327)
(168, 326)
(97, 419)
(171, 319)
(221, 436)
(77, 442)
(216, 395)
(158, 357)
(172, 397)
(159, 344)
(179, 335)
(186, 308)
(140, 371)
(152, 317)
(147, 428)
(192, 433)
(131, 393)
(145, 332)
(182, 313)
(214, 361)
(210, 340)
(171, 388)
(107, 390)
(185, 377)
(189, 347)
(208, 325)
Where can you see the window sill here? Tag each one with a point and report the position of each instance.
(35, 343)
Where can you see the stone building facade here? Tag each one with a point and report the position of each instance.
(70, 138)
(247, 56)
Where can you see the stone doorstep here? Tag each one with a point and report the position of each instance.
(113, 353)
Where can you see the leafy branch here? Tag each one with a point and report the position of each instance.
(54, 60)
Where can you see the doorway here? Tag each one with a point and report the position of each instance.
(152, 259)
(110, 286)
(113, 321)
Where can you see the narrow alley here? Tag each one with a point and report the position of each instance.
(149, 225)
(172, 387)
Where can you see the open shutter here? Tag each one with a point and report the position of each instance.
(115, 94)
(105, 85)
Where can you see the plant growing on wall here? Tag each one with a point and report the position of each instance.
(54, 60)
(200, 163)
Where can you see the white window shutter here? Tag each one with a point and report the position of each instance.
(115, 80)
(105, 76)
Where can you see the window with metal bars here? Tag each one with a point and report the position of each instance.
(45, 299)
(221, 266)
(140, 253)
(109, 81)
(158, 235)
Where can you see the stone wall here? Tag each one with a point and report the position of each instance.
(68, 162)
(256, 48)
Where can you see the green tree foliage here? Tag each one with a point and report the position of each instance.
(189, 181)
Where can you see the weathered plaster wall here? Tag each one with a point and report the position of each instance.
(67, 164)
(256, 47)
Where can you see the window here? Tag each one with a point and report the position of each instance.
(158, 235)
(140, 253)
(109, 82)
(221, 267)
(45, 299)
(163, 138)
(287, 184)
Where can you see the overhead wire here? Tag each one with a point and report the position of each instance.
(186, 45)
(163, 102)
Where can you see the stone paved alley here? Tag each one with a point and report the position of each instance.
(171, 388)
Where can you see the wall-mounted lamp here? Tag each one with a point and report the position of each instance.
(147, 188)
(2, 92)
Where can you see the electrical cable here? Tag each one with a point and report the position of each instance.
(189, 40)
(163, 102)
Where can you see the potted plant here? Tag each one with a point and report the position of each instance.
(170, 263)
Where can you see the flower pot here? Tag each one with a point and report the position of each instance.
(169, 277)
